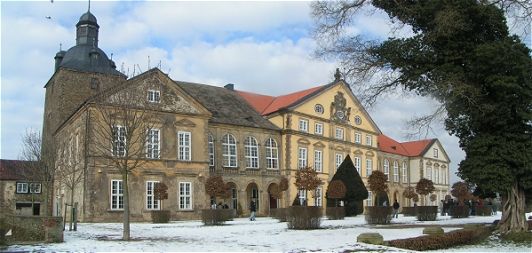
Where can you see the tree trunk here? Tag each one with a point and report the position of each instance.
(125, 233)
(513, 211)
(71, 208)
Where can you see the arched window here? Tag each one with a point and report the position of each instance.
(387, 168)
(229, 150)
(251, 150)
(395, 171)
(211, 150)
(272, 154)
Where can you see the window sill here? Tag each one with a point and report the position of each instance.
(185, 210)
(115, 210)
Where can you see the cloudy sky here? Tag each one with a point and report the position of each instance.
(262, 47)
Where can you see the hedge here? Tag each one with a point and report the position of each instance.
(335, 213)
(279, 213)
(304, 217)
(216, 216)
(435, 242)
(427, 213)
(378, 214)
(409, 211)
(459, 211)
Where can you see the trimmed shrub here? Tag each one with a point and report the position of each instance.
(279, 213)
(216, 216)
(304, 217)
(160, 216)
(409, 211)
(335, 213)
(427, 213)
(356, 191)
(447, 240)
(483, 210)
(378, 214)
(459, 211)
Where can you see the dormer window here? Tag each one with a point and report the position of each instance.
(154, 96)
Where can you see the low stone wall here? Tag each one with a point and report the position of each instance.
(34, 229)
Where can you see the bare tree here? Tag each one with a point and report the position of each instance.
(70, 172)
(41, 166)
(122, 125)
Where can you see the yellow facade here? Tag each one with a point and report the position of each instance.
(333, 143)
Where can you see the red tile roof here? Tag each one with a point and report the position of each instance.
(267, 104)
(411, 148)
(15, 169)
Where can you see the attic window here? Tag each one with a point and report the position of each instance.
(154, 96)
(319, 109)
(435, 151)
(358, 120)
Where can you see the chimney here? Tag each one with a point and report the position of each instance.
(230, 86)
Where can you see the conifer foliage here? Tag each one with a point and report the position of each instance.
(355, 189)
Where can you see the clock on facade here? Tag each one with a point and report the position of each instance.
(340, 114)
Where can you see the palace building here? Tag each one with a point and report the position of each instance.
(198, 130)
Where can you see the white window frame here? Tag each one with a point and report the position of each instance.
(229, 151)
(369, 140)
(435, 152)
(369, 200)
(386, 168)
(154, 96)
(272, 154)
(35, 188)
(318, 160)
(303, 125)
(302, 158)
(151, 202)
(119, 141)
(251, 152)
(318, 128)
(302, 196)
(185, 196)
(318, 196)
(428, 174)
(405, 173)
(117, 195)
(210, 147)
(395, 171)
(358, 138)
(436, 175)
(184, 146)
(22, 188)
(338, 159)
(369, 167)
(358, 163)
(339, 133)
(153, 143)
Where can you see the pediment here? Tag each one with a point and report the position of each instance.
(319, 144)
(185, 123)
(303, 141)
(358, 152)
(369, 154)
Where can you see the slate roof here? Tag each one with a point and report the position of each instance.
(15, 169)
(411, 148)
(226, 106)
(267, 104)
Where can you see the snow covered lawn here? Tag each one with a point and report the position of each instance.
(264, 234)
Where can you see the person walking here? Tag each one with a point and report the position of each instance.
(395, 209)
(252, 209)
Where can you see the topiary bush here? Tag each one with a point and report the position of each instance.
(304, 217)
(427, 213)
(216, 216)
(160, 216)
(409, 211)
(447, 240)
(378, 214)
(335, 213)
(279, 213)
(459, 211)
